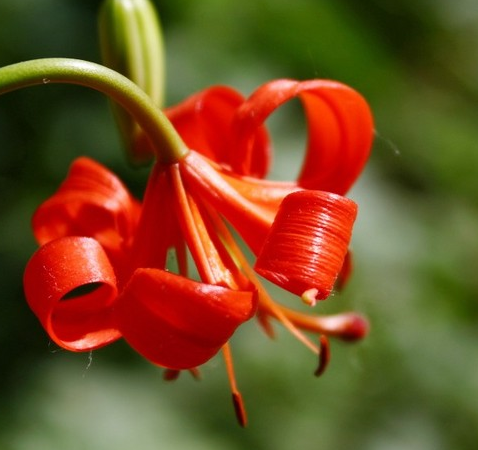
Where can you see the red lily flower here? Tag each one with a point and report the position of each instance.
(101, 271)
(100, 257)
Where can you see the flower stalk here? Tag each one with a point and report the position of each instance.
(166, 142)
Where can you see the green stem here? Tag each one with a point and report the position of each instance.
(168, 144)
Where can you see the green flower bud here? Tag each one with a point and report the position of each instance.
(131, 43)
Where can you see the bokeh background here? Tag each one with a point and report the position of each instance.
(413, 383)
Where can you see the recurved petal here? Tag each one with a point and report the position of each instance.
(204, 119)
(91, 202)
(71, 287)
(179, 323)
(340, 135)
(307, 243)
(340, 130)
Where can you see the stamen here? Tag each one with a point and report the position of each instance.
(347, 326)
(309, 297)
(171, 374)
(265, 301)
(212, 260)
(264, 322)
(181, 256)
(190, 231)
(272, 308)
(237, 400)
(239, 409)
(324, 355)
(195, 373)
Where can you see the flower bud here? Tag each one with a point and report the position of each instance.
(131, 43)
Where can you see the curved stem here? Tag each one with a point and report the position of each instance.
(166, 141)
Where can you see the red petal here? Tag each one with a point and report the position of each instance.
(179, 323)
(203, 121)
(91, 202)
(308, 242)
(340, 130)
(329, 107)
(70, 286)
(158, 229)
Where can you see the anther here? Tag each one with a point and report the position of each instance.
(171, 374)
(324, 355)
(239, 408)
(237, 401)
(195, 373)
(309, 297)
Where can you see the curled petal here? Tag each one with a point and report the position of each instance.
(203, 121)
(333, 106)
(307, 243)
(340, 130)
(70, 286)
(91, 202)
(179, 323)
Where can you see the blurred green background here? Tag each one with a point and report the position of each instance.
(413, 383)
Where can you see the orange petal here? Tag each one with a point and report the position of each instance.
(91, 202)
(307, 243)
(203, 121)
(158, 228)
(70, 286)
(340, 130)
(340, 135)
(179, 323)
